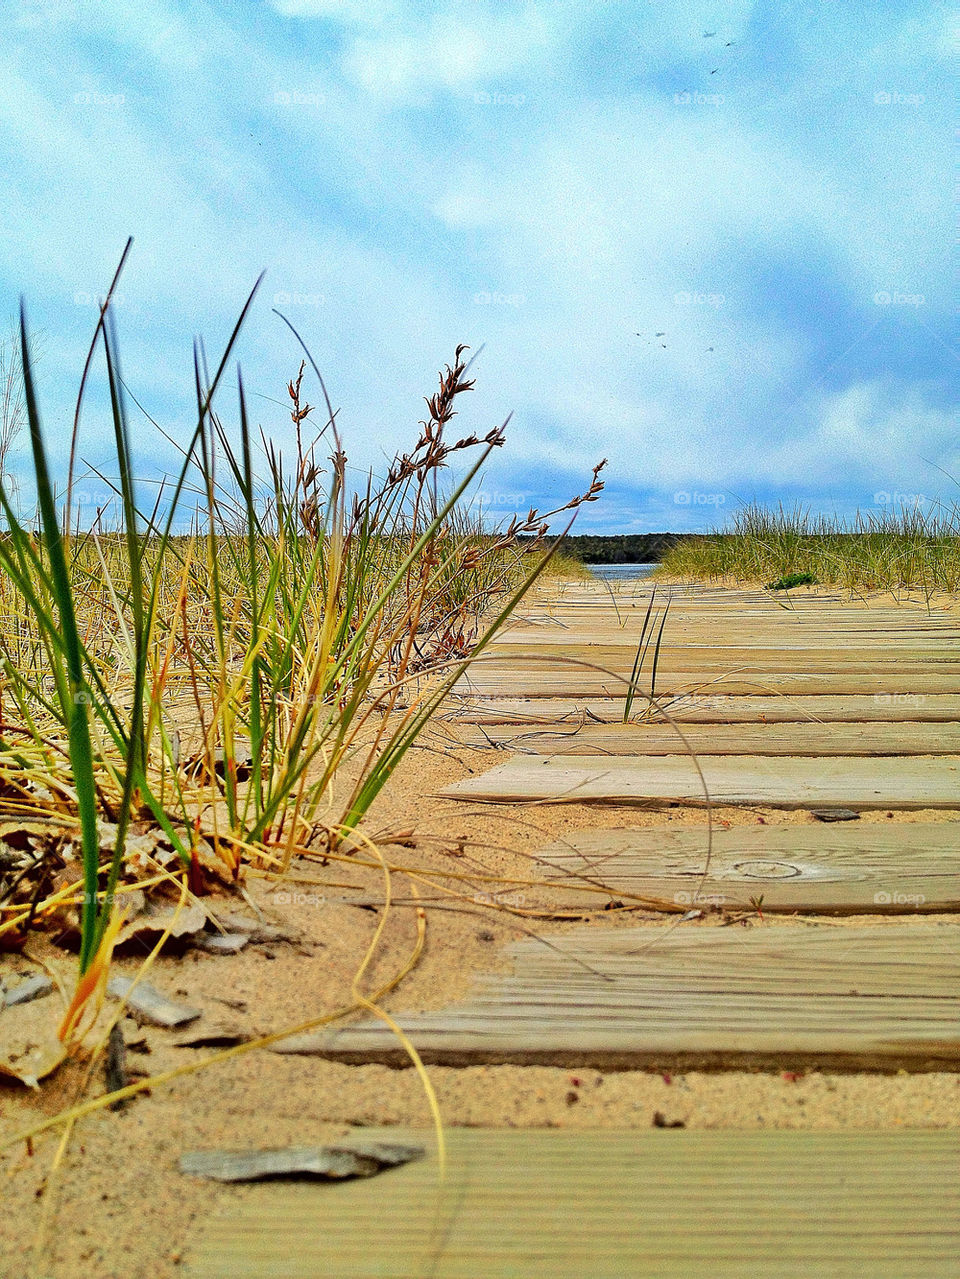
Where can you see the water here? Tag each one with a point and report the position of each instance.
(620, 572)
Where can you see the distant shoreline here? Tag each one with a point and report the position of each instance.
(624, 548)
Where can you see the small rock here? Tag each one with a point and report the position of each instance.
(485, 935)
(257, 930)
(661, 1121)
(146, 1003)
(222, 943)
(33, 987)
(834, 814)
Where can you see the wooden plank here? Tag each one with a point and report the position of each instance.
(560, 681)
(785, 782)
(728, 635)
(776, 997)
(713, 661)
(548, 1204)
(846, 869)
(720, 708)
(718, 739)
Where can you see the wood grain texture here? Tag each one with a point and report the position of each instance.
(552, 679)
(610, 1205)
(779, 782)
(718, 708)
(720, 739)
(816, 868)
(712, 661)
(852, 997)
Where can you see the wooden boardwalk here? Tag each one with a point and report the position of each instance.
(779, 687)
(705, 993)
(648, 1205)
(818, 703)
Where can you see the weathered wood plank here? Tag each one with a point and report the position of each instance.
(872, 996)
(813, 868)
(651, 1205)
(709, 661)
(720, 708)
(640, 739)
(785, 782)
(552, 680)
(729, 640)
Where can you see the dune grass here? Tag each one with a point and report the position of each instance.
(245, 689)
(893, 549)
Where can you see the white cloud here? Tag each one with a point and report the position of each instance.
(594, 202)
(874, 436)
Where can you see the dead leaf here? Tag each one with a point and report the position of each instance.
(154, 919)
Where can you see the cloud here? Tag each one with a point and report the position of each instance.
(560, 182)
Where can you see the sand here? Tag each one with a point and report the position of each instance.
(118, 1206)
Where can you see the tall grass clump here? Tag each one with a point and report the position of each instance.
(893, 548)
(246, 688)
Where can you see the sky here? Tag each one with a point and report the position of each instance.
(712, 243)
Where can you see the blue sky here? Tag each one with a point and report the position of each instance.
(723, 260)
